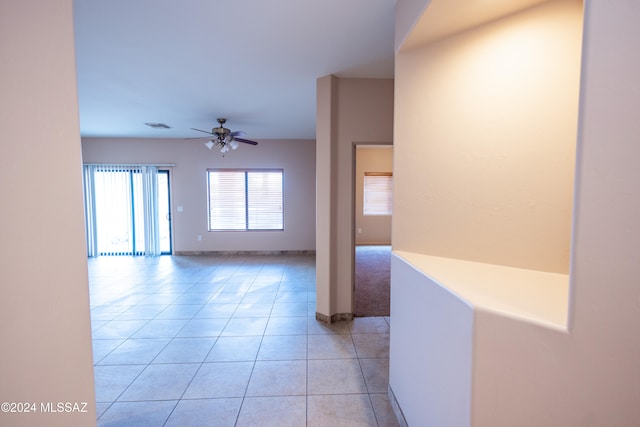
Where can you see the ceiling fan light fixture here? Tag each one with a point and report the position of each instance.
(223, 138)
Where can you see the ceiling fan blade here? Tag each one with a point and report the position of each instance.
(200, 137)
(237, 133)
(246, 141)
(203, 131)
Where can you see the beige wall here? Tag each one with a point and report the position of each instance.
(349, 111)
(371, 229)
(592, 376)
(188, 176)
(493, 127)
(44, 300)
(326, 140)
(524, 374)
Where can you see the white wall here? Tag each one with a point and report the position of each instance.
(438, 394)
(44, 300)
(192, 158)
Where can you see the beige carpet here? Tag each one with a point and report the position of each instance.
(373, 274)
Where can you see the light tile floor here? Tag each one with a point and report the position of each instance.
(230, 341)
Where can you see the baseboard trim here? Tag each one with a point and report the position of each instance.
(227, 253)
(339, 317)
(396, 408)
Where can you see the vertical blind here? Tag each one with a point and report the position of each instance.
(378, 193)
(245, 199)
(121, 210)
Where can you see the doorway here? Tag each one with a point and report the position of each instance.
(373, 206)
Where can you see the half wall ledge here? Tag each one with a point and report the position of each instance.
(440, 340)
(532, 296)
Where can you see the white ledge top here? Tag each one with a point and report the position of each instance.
(533, 296)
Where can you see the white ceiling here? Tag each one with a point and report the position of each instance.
(255, 62)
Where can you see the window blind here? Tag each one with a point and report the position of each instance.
(245, 199)
(378, 193)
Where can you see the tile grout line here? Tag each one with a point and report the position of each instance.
(282, 329)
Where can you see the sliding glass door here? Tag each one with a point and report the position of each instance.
(164, 212)
(128, 210)
(115, 211)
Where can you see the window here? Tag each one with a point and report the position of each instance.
(245, 199)
(378, 193)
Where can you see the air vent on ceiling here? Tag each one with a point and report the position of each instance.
(158, 125)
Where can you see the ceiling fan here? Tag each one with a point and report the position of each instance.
(223, 137)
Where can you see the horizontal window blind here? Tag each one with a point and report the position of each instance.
(264, 200)
(378, 193)
(245, 199)
(227, 202)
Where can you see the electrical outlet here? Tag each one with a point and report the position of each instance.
(199, 237)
